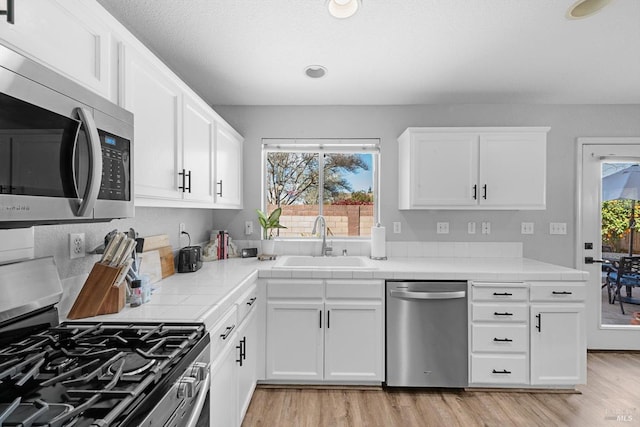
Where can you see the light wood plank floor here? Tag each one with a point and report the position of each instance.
(611, 397)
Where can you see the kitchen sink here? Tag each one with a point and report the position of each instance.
(324, 263)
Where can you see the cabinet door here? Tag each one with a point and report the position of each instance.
(247, 374)
(444, 170)
(64, 36)
(513, 170)
(353, 341)
(154, 99)
(295, 337)
(228, 182)
(224, 384)
(558, 344)
(197, 151)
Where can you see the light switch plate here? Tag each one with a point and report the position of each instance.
(397, 227)
(471, 228)
(486, 228)
(526, 228)
(558, 228)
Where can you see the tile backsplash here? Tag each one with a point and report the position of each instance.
(396, 249)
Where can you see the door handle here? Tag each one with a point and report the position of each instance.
(427, 295)
(95, 164)
(592, 260)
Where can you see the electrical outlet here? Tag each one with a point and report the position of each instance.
(182, 228)
(442, 228)
(248, 227)
(486, 228)
(526, 228)
(76, 245)
(471, 228)
(558, 228)
(397, 227)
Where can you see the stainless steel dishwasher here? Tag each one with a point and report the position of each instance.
(426, 325)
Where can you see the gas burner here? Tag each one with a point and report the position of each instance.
(60, 364)
(134, 364)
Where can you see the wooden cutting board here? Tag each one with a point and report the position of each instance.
(150, 243)
(167, 265)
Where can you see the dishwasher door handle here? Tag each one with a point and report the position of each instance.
(427, 295)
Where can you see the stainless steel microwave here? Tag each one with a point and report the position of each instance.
(66, 153)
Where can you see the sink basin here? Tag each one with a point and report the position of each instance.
(324, 263)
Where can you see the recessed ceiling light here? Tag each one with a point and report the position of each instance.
(342, 9)
(315, 71)
(583, 8)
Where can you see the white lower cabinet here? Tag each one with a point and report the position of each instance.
(234, 355)
(325, 330)
(528, 334)
(558, 344)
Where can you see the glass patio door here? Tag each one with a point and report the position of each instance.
(603, 235)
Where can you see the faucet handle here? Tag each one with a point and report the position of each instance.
(344, 252)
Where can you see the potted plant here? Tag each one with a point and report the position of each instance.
(268, 224)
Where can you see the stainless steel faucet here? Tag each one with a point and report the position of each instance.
(323, 232)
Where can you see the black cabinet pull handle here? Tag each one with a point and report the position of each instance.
(328, 319)
(502, 294)
(506, 313)
(243, 348)
(10, 12)
(504, 371)
(239, 359)
(227, 332)
(189, 176)
(503, 340)
(561, 293)
(320, 324)
(475, 192)
(539, 324)
(219, 193)
(484, 192)
(183, 174)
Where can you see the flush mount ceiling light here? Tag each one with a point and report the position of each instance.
(583, 8)
(315, 71)
(342, 9)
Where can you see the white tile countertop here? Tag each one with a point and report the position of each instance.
(203, 296)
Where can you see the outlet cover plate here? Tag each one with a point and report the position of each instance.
(526, 228)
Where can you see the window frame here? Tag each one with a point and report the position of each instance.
(322, 146)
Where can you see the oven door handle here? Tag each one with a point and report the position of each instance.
(200, 402)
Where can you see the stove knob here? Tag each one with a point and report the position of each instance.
(186, 388)
(199, 370)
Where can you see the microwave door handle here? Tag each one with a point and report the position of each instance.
(95, 164)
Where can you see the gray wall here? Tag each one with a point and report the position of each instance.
(567, 123)
(53, 240)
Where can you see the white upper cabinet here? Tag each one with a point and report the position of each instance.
(197, 151)
(228, 176)
(64, 36)
(472, 168)
(155, 101)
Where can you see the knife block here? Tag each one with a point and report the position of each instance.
(98, 294)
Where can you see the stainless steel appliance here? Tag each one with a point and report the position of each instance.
(94, 373)
(65, 152)
(426, 324)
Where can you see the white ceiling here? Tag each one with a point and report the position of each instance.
(393, 52)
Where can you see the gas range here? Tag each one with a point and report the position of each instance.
(101, 373)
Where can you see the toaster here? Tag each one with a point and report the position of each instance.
(189, 259)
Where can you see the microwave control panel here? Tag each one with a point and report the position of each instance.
(116, 167)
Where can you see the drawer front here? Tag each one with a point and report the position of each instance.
(222, 331)
(552, 292)
(355, 289)
(500, 338)
(247, 302)
(499, 312)
(296, 289)
(499, 369)
(499, 293)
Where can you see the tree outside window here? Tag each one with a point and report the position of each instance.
(297, 180)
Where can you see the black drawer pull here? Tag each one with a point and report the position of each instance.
(227, 332)
(502, 294)
(504, 371)
(251, 301)
(561, 293)
(503, 340)
(506, 313)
